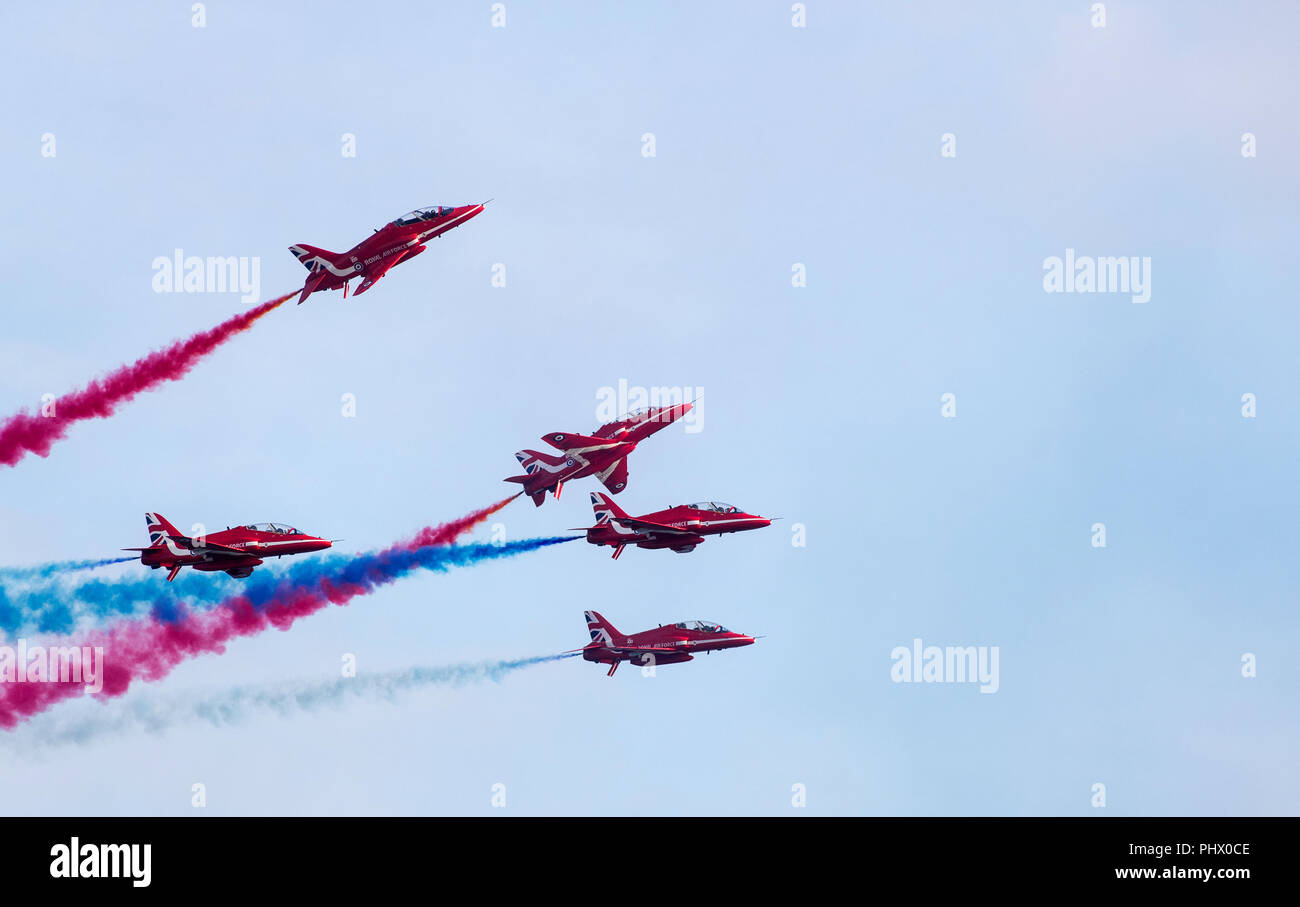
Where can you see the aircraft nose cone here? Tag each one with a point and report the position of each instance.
(667, 415)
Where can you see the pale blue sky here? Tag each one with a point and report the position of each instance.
(822, 405)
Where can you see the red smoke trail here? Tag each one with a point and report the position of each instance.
(448, 532)
(149, 649)
(26, 433)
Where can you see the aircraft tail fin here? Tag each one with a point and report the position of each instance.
(602, 631)
(531, 460)
(321, 264)
(540, 471)
(314, 257)
(159, 529)
(537, 465)
(605, 508)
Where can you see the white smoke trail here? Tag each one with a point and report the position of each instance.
(155, 715)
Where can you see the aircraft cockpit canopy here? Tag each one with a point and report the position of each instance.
(422, 214)
(714, 506)
(703, 626)
(277, 528)
(642, 413)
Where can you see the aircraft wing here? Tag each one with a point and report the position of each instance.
(662, 655)
(615, 477)
(208, 547)
(565, 441)
(651, 526)
(376, 271)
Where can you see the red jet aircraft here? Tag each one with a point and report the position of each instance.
(680, 528)
(662, 646)
(401, 240)
(602, 454)
(236, 551)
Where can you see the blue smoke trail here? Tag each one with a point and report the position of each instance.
(148, 649)
(155, 715)
(54, 609)
(44, 610)
(46, 571)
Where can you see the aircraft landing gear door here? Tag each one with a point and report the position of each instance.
(345, 289)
